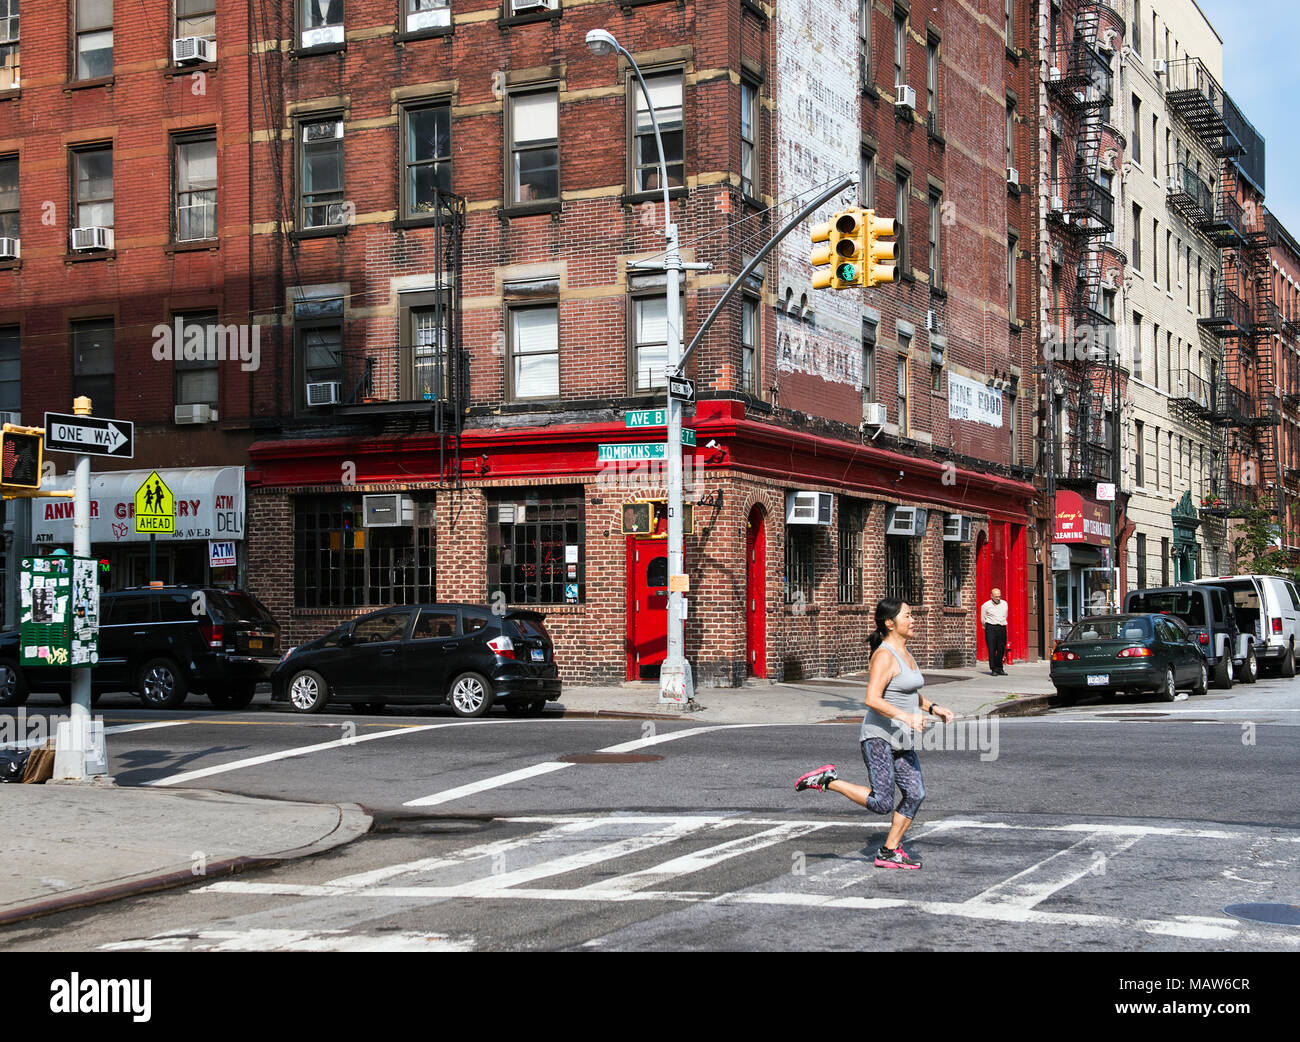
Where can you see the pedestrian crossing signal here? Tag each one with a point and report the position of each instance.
(649, 517)
(22, 450)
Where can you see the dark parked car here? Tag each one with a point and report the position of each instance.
(1133, 653)
(461, 654)
(1209, 613)
(163, 642)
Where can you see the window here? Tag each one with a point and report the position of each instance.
(427, 158)
(196, 376)
(11, 383)
(94, 39)
(1010, 13)
(864, 42)
(93, 360)
(1169, 285)
(1155, 251)
(666, 93)
(868, 187)
(534, 160)
(936, 222)
(8, 44)
(748, 138)
(318, 333)
(9, 211)
(952, 575)
(1155, 351)
(903, 568)
(1011, 132)
(902, 194)
(340, 563)
(1155, 470)
(904, 343)
(936, 377)
(196, 18)
(320, 203)
(322, 22)
(650, 342)
(799, 579)
(195, 167)
(534, 364)
(1164, 561)
(93, 187)
(421, 15)
(868, 361)
(1139, 456)
(1137, 239)
(528, 534)
(932, 84)
(1013, 425)
(1137, 130)
(850, 547)
(900, 46)
(1013, 307)
(750, 357)
(427, 324)
(1137, 27)
(1141, 560)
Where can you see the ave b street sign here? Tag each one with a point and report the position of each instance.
(89, 435)
(681, 388)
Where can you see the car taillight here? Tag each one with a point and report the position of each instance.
(1135, 653)
(1204, 638)
(212, 634)
(1277, 626)
(1064, 656)
(503, 646)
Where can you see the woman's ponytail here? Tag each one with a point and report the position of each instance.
(886, 608)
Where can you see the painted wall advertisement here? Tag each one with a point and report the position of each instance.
(972, 401)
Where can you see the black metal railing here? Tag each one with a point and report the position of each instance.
(1192, 392)
(1223, 312)
(1196, 96)
(1189, 195)
(1229, 405)
(1078, 76)
(403, 374)
(1080, 335)
(1225, 496)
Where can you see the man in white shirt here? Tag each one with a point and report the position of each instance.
(993, 614)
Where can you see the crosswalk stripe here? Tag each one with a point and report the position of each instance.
(1040, 881)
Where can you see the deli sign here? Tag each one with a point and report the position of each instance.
(1080, 520)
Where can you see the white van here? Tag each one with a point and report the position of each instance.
(1269, 607)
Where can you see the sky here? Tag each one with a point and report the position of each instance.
(1262, 75)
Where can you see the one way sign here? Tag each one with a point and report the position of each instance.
(89, 435)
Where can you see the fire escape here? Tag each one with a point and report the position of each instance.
(1082, 359)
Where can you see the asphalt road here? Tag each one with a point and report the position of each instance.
(1109, 827)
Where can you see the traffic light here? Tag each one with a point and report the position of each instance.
(881, 264)
(844, 239)
(21, 450)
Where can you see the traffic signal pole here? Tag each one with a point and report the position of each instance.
(74, 767)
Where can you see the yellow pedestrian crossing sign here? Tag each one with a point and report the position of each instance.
(155, 506)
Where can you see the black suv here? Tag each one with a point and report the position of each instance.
(1209, 614)
(163, 642)
(461, 654)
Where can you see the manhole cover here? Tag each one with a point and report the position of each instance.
(609, 758)
(1282, 915)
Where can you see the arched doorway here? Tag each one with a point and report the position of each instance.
(756, 594)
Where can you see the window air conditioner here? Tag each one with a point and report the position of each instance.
(391, 510)
(523, 6)
(330, 131)
(906, 96)
(322, 36)
(195, 414)
(1013, 176)
(193, 49)
(1158, 66)
(808, 508)
(932, 321)
(10, 249)
(874, 414)
(906, 521)
(324, 393)
(437, 18)
(1054, 72)
(92, 239)
(956, 528)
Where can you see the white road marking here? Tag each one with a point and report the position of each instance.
(510, 777)
(264, 940)
(1038, 882)
(302, 750)
(32, 743)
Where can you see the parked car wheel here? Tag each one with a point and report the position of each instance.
(1287, 667)
(308, 692)
(1067, 696)
(161, 684)
(237, 698)
(470, 695)
(1203, 684)
(1169, 691)
(13, 685)
(1223, 672)
(1249, 668)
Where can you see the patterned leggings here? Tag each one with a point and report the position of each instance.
(887, 766)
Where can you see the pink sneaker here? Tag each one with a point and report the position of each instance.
(894, 859)
(817, 779)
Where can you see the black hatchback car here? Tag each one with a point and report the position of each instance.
(163, 642)
(460, 654)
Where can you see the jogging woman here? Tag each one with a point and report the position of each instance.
(893, 719)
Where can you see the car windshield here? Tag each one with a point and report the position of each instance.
(1187, 605)
(238, 607)
(1119, 628)
(529, 626)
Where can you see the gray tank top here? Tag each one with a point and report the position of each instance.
(903, 692)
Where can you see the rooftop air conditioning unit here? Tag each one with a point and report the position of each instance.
(808, 508)
(391, 510)
(906, 521)
(906, 96)
(874, 414)
(195, 414)
(324, 393)
(932, 321)
(92, 239)
(329, 131)
(10, 249)
(522, 6)
(1159, 66)
(193, 49)
(956, 528)
(322, 36)
(1013, 176)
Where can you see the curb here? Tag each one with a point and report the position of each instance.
(1026, 705)
(353, 822)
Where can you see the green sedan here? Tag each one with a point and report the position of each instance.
(1108, 654)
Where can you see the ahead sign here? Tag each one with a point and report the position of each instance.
(89, 435)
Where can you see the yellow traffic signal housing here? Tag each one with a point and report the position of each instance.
(649, 517)
(22, 450)
(840, 244)
(880, 263)
(822, 252)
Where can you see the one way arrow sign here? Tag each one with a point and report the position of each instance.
(89, 435)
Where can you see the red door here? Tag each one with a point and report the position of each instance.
(982, 587)
(756, 595)
(647, 623)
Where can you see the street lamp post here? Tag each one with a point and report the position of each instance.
(675, 684)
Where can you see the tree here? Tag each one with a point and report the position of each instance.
(1258, 549)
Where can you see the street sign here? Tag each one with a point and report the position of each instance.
(631, 451)
(688, 437)
(155, 506)
(681, 388)
(1105, 492)
(90, 435)
(646, 417)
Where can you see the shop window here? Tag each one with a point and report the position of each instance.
(536, 547)
(340, 563)
(903, 568)
(799, 574)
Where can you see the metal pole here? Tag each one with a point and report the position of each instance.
(80, 704)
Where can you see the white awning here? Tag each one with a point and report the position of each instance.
(209, 505)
